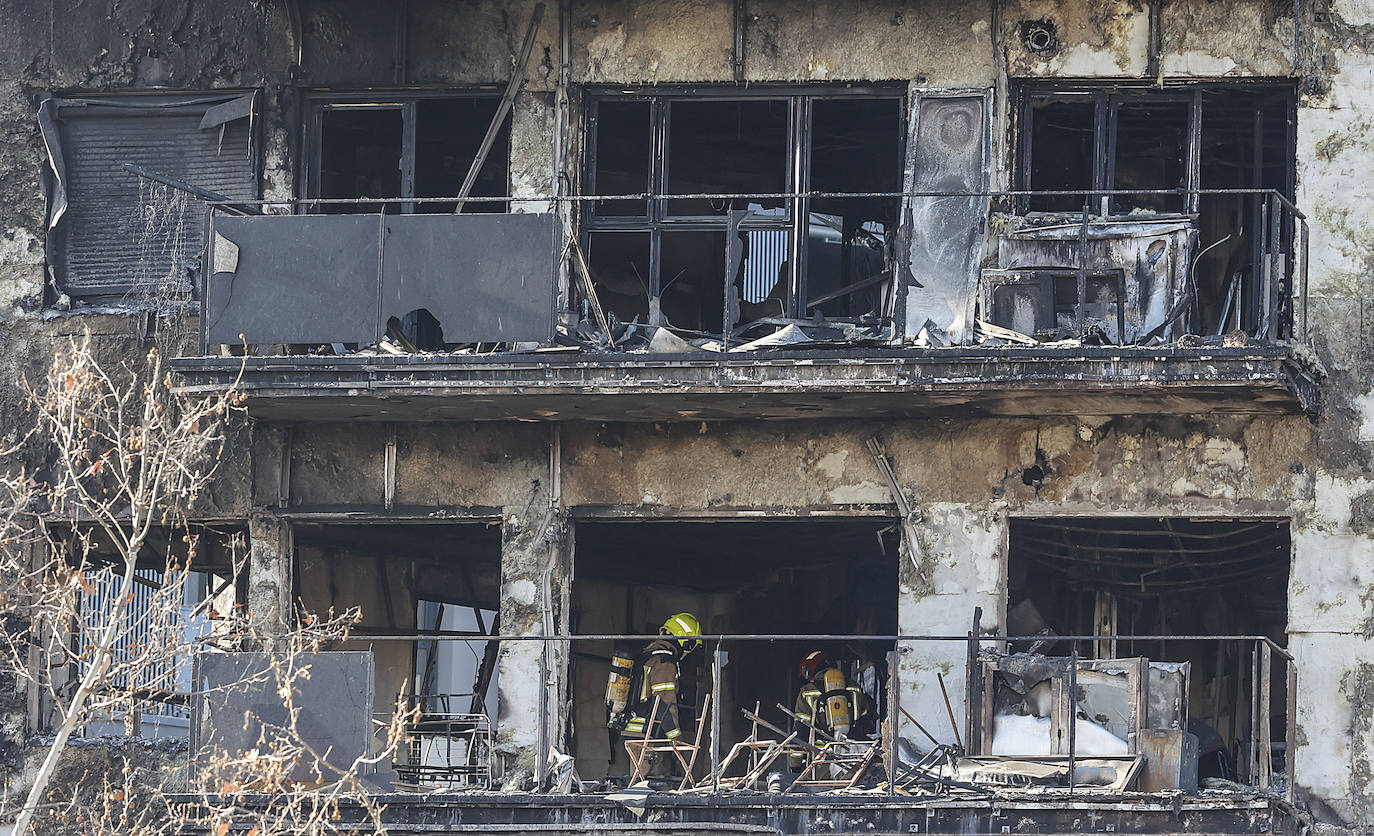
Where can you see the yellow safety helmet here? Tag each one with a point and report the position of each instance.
(685, 627)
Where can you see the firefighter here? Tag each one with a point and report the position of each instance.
(827, 700)
(658, 677)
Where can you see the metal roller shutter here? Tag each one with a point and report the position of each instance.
(102, 253)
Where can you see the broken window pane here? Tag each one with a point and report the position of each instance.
(731, 147)
(692, 280)
(622, 155)
(619, 263)
(1062, 145)
(360, 155)
(1151, 153)
(855, 147)
(766, 274)
(448, 133)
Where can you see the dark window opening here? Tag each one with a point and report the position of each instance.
(417, 147)
(1116, 577)
(360, 155)
(815, 577)
(726, 147)
(408, 578)
(448, 133)
(752, 146)
(854, 148)
(1062, 139)
(1150, 153)
(619, 262)
(622, 156)
(692, 274)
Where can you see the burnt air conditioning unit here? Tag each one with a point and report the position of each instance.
(1137, 272)
(1043, 302)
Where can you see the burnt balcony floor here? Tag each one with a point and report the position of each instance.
(1009, 811)
(773, 385)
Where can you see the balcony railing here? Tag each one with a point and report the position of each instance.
(334, 274)
(956, 739)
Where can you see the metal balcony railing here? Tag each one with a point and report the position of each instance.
(1250, 706)
(329, 272)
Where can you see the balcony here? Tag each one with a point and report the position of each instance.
(388, 316)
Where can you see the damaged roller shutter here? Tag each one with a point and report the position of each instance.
(946, 169)
(109, 235)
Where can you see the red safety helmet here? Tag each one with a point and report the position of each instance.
(811, 664)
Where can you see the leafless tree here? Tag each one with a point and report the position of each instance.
(101, 519)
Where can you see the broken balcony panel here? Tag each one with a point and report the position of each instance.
(292, 279)
(726, 147)
(947, 155)
(485, 278)
(240, 706)
(339, 279)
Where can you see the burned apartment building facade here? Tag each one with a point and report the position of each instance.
(814, 319)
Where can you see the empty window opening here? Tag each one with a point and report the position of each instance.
(440, 580)
(805, 576)
(416, 147)
(1222, 262)
(1156, 577)
(746, 146)
(360, 154)
(1150, 153)
(725, 147)
(856, 148)
(1062, 139)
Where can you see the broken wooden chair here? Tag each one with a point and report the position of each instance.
(642, 750)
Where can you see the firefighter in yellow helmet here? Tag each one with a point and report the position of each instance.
(679, 635)
(827, 700)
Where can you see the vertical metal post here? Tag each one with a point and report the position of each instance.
(1266, 743)
(1291, 728)
(893, 703)
(1253, 737)
(1302, 277)
(1275, 271)
(1073, 710)
(541, 755)
(973, 684)
(1081, 309)
(717, 662)
(737, 50)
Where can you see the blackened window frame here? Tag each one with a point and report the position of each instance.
(798, 167)
(317, 102)
(1107, 97)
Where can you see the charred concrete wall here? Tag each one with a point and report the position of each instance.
(966, 476)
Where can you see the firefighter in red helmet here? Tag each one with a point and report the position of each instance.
(827, 700)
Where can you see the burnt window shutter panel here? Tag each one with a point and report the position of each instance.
(101, 252)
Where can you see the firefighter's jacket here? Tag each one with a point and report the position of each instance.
(810, 706)
(658, 679)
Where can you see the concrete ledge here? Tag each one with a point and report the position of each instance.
(1014, 812)
(892, 383)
